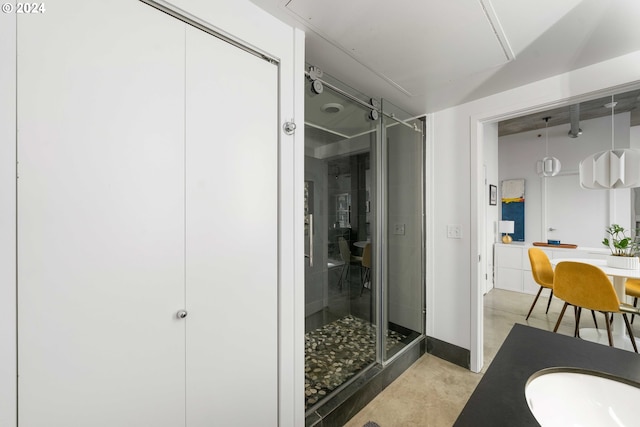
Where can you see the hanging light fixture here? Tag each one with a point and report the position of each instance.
(612, 168)
(549, 166)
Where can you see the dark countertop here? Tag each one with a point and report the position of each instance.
(499, 399)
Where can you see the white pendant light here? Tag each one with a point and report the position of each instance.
(612, 168)
(549, 166)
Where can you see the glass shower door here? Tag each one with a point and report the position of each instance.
(402, 181)
(340, 334)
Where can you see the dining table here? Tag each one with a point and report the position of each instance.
(620, 276)
(361, 243)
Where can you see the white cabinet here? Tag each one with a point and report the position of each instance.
(144, 189)
(508, 264)
(513, 268)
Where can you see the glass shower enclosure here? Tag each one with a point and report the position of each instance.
(363, 235)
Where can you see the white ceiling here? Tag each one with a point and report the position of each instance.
(426, 55)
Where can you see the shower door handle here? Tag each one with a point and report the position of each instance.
(310, 256)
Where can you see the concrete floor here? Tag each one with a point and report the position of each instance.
(432, 392)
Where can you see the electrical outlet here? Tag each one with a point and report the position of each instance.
(398, 229)
(454, 231)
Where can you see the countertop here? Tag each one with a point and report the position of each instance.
(499, 399)
(594, 250)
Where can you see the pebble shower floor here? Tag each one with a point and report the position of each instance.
(336, 352)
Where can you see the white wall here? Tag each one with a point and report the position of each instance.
(634, 137)
(449, 306)
(248, 24)
(558, 202)
(458, 189)
(8, 220)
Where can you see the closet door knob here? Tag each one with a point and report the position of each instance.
(181, 314)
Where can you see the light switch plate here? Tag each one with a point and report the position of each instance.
(454, 231)
(398, 229)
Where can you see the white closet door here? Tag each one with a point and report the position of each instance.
(101, 216)
(232, 240)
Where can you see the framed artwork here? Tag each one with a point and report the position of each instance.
(343, 210)
(513, 206)
(493, 195)
(342, 202)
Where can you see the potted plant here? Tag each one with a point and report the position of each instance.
(624, 248)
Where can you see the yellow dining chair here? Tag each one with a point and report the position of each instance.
(632, 288)
(542, 274)
(586, 286)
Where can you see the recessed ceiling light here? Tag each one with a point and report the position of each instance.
(332, 108)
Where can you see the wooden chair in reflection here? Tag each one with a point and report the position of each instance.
(347, 258)
(366, 267)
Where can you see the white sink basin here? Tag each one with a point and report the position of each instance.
(577, 397)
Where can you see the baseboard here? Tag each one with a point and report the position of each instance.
(313, 307)
(449, 352)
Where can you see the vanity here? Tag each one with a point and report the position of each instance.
(499, 398)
